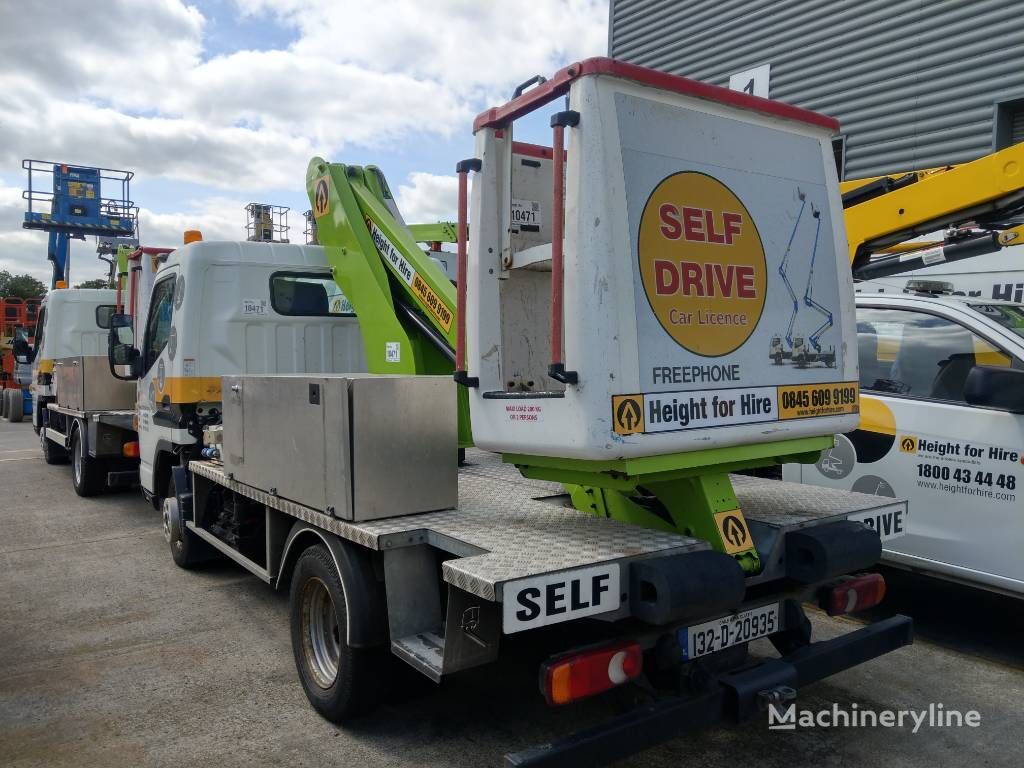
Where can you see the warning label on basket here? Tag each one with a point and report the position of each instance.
(674, 411)
(528, 412)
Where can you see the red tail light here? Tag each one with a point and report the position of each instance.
(569, 678)
(854, 593)
(130, 450)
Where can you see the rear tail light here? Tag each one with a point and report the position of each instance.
(569, 678)
(130, 450)
(854, 593)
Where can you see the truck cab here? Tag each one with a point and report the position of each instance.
(71, 323)
(223, 308)
(942, 425)
(80, 411)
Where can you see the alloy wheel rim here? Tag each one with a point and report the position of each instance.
(78, 461)
(321, 638)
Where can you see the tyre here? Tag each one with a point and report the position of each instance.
(340, 681)
(187, 549)
(16, 406)
(52, 453)
(88, 474)
(4, 401)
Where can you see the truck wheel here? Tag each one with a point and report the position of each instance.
(187, 549)
(88, 474)
(52, 453)
(16, 406)
(340, 681)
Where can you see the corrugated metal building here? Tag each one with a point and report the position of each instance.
(914, 83)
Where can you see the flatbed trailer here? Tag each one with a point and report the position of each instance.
(509, 533)
(101, 460)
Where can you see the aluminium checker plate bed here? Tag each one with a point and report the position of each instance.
(507, 527)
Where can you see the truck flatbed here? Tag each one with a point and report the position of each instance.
(123, 418)
(507, 527)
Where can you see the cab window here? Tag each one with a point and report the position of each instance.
(904, 352)
(158, 324)
(308, 294)
(40, 324)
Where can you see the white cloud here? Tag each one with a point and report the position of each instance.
(20, 250)
(329, 103)
(218, 218)
(428, 198)
(468, 46)
(186, 149)
(122, 52)
(125, 85)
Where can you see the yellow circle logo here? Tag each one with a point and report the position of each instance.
(702, 263)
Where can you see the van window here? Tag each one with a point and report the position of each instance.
(40, 323)
(1010, 316)
(158, 324)
(309, 294)
(103, 314)
(904, 352)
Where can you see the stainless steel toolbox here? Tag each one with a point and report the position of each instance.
(359, 447)
(84, 383)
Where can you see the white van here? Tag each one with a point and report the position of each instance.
(942, 425)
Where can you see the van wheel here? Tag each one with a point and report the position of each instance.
(340, 681)
(88, 475)
(52, 453)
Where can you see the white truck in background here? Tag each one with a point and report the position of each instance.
(80, 411)
(211, 309)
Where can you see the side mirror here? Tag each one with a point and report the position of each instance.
(121, 351)
(993, 386)
(22, 350)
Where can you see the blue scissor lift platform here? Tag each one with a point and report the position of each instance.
(70, 205)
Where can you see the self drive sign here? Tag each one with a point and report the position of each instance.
(734, 258)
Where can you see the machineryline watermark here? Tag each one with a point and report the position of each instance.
(935, 716)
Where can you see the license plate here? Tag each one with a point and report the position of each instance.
(561, 596)
(718, 634)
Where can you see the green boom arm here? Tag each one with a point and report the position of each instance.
(439, 232)
(404, 302)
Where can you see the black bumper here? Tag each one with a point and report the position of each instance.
(736, 697)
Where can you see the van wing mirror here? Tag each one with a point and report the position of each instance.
(121, 351)
(994, 386)
(22, 350)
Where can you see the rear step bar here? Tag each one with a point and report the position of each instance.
(735, 698)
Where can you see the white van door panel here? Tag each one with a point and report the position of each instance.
(960, 467)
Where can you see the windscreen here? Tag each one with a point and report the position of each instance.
(1010, 316)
